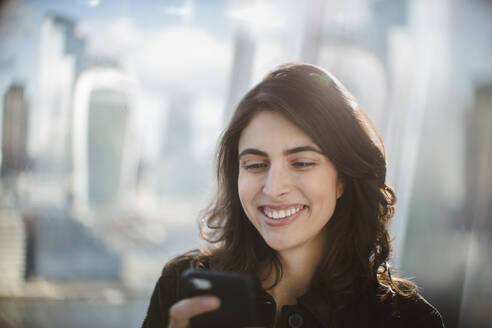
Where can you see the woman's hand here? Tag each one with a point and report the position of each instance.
(181, 312)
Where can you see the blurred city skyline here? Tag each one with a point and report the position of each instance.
(126, 101)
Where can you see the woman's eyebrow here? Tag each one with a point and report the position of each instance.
(301, 149)
(254, 151)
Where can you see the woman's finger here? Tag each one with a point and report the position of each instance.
(181, 312)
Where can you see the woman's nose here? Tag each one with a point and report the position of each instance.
(277, 182)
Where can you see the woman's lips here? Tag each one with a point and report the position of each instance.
(283, 221)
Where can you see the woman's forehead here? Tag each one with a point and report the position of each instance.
(271, 130)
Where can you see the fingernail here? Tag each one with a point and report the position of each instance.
(211, 302)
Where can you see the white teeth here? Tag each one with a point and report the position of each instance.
(274, 214)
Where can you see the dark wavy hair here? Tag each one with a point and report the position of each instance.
(359, 245)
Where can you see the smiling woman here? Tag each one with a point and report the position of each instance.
(303, 207)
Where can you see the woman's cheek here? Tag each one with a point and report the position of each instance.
(245, 191)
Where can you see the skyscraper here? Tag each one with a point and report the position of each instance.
(106, 129)
(14, 132)
(62, 58)
(104, 158)
(178, 172)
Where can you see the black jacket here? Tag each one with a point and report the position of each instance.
(311, 310)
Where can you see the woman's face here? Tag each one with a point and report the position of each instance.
(287, 187)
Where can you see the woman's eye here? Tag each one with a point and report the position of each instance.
(301, 165)
(255, 166)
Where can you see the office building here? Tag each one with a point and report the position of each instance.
(14, 131)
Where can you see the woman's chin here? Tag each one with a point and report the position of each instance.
(280, 245)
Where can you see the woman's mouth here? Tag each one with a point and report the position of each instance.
(279, 217)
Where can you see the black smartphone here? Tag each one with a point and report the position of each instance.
(236, 291)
